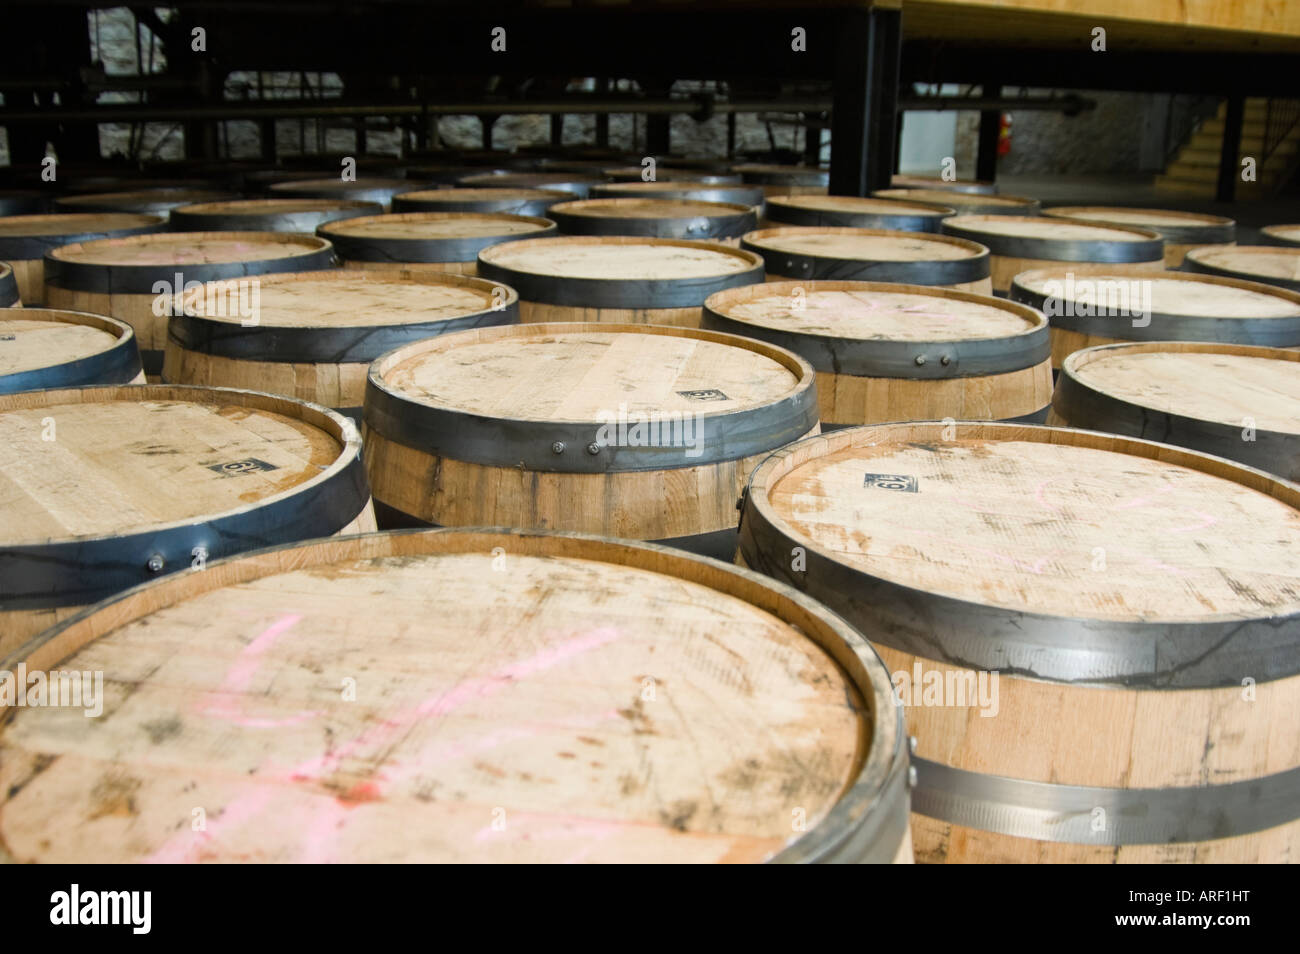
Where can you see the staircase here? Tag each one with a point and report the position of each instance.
(1270, 133)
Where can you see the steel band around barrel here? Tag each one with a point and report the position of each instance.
(1034, 417)
(1093, 652)
(76, 572)
(8, 288)
(738, 195)
(322, 345)
(616, 293)
(1062, 250)
(915, 360)
(1082, 406)
(874, 839)
(957, 271)
(730, 225)
(534, 208)
(786, 214)
(1268, 332)
(33, 247)
(307, 220)
(141, 279)
(1087, 815)
(119, 364)
(1190, 264)
(531, 445)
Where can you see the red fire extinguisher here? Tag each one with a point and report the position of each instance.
(1004, 134)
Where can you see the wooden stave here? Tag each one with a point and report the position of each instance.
(869, 822)
(338, 497)
(968, 274)
(119, 364)
(190, 218)
(1012, 832)
(29, 251)
(450, 250)
(837, 361)
(1079, 405)
(1193, 264)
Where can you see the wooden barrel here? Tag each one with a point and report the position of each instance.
(662, 218)
(876, 255)
(140, 279)
(1020, 243)
(563, 181)
(446, 176)
(1138, 602)
(1234, 401)
(139, 201)
(317, 332)
(269, 215)
(675, 189)
(900, 352)
(1182, 231)
(23, 201)
(620, 279)
(856, 212)
(482, 751)
(514, 201)
(784, 180)
(111, 486)
(662, 174)
(968, 186)
(1091, 305)
(380, 189)
(44, 348)
(1256, 263)
(489, 428)
(966, 203)
(1280, 234)
(26, 239)
(9, 297)
(446, 241)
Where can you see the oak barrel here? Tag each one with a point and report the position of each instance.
(968, 186)
(1093, 304)
(668, 174)
(1182, 231)
(777, 179)
(900, 352)
(380, 189)
(1272, 265)
(1280, 234)
(23, 201)
(673, 189)
(514, 201)
(662, 218)
(45, 348)
(108, 487)
(1234, 401)
(604, 711)
(855, 212)
(1139, 603)
(140, 279)
(443, 241)
(269, 215)
(966, 203)
(139, 201)
(9, 297)
(620, 279)
(317, 332)
(25, 239)
(634, 431)
(1020, 243)
(876, 255)
(579, 185)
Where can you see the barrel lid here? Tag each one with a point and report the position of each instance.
(1289, 234)
(334, 185)
(603, 711)
(189, 248)
(419, 226)
(141, 199)
(1033, 236)
(1176, 227)
(1226, 384)
(968, 186)
(1049, 552)
(509, 395)
(42, 339)
(669, 174)
(1276, 265)
(554, 180)
(275, 206)
(859, 204)
(482, 193)
(642, 208)
(873, 245)
(74, 223)
(962, 200)
(336, 316)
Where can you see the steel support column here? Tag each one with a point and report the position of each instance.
(1229, 153)
(986, 159)
(866, 101)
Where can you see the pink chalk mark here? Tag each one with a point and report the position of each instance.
(223, 703)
